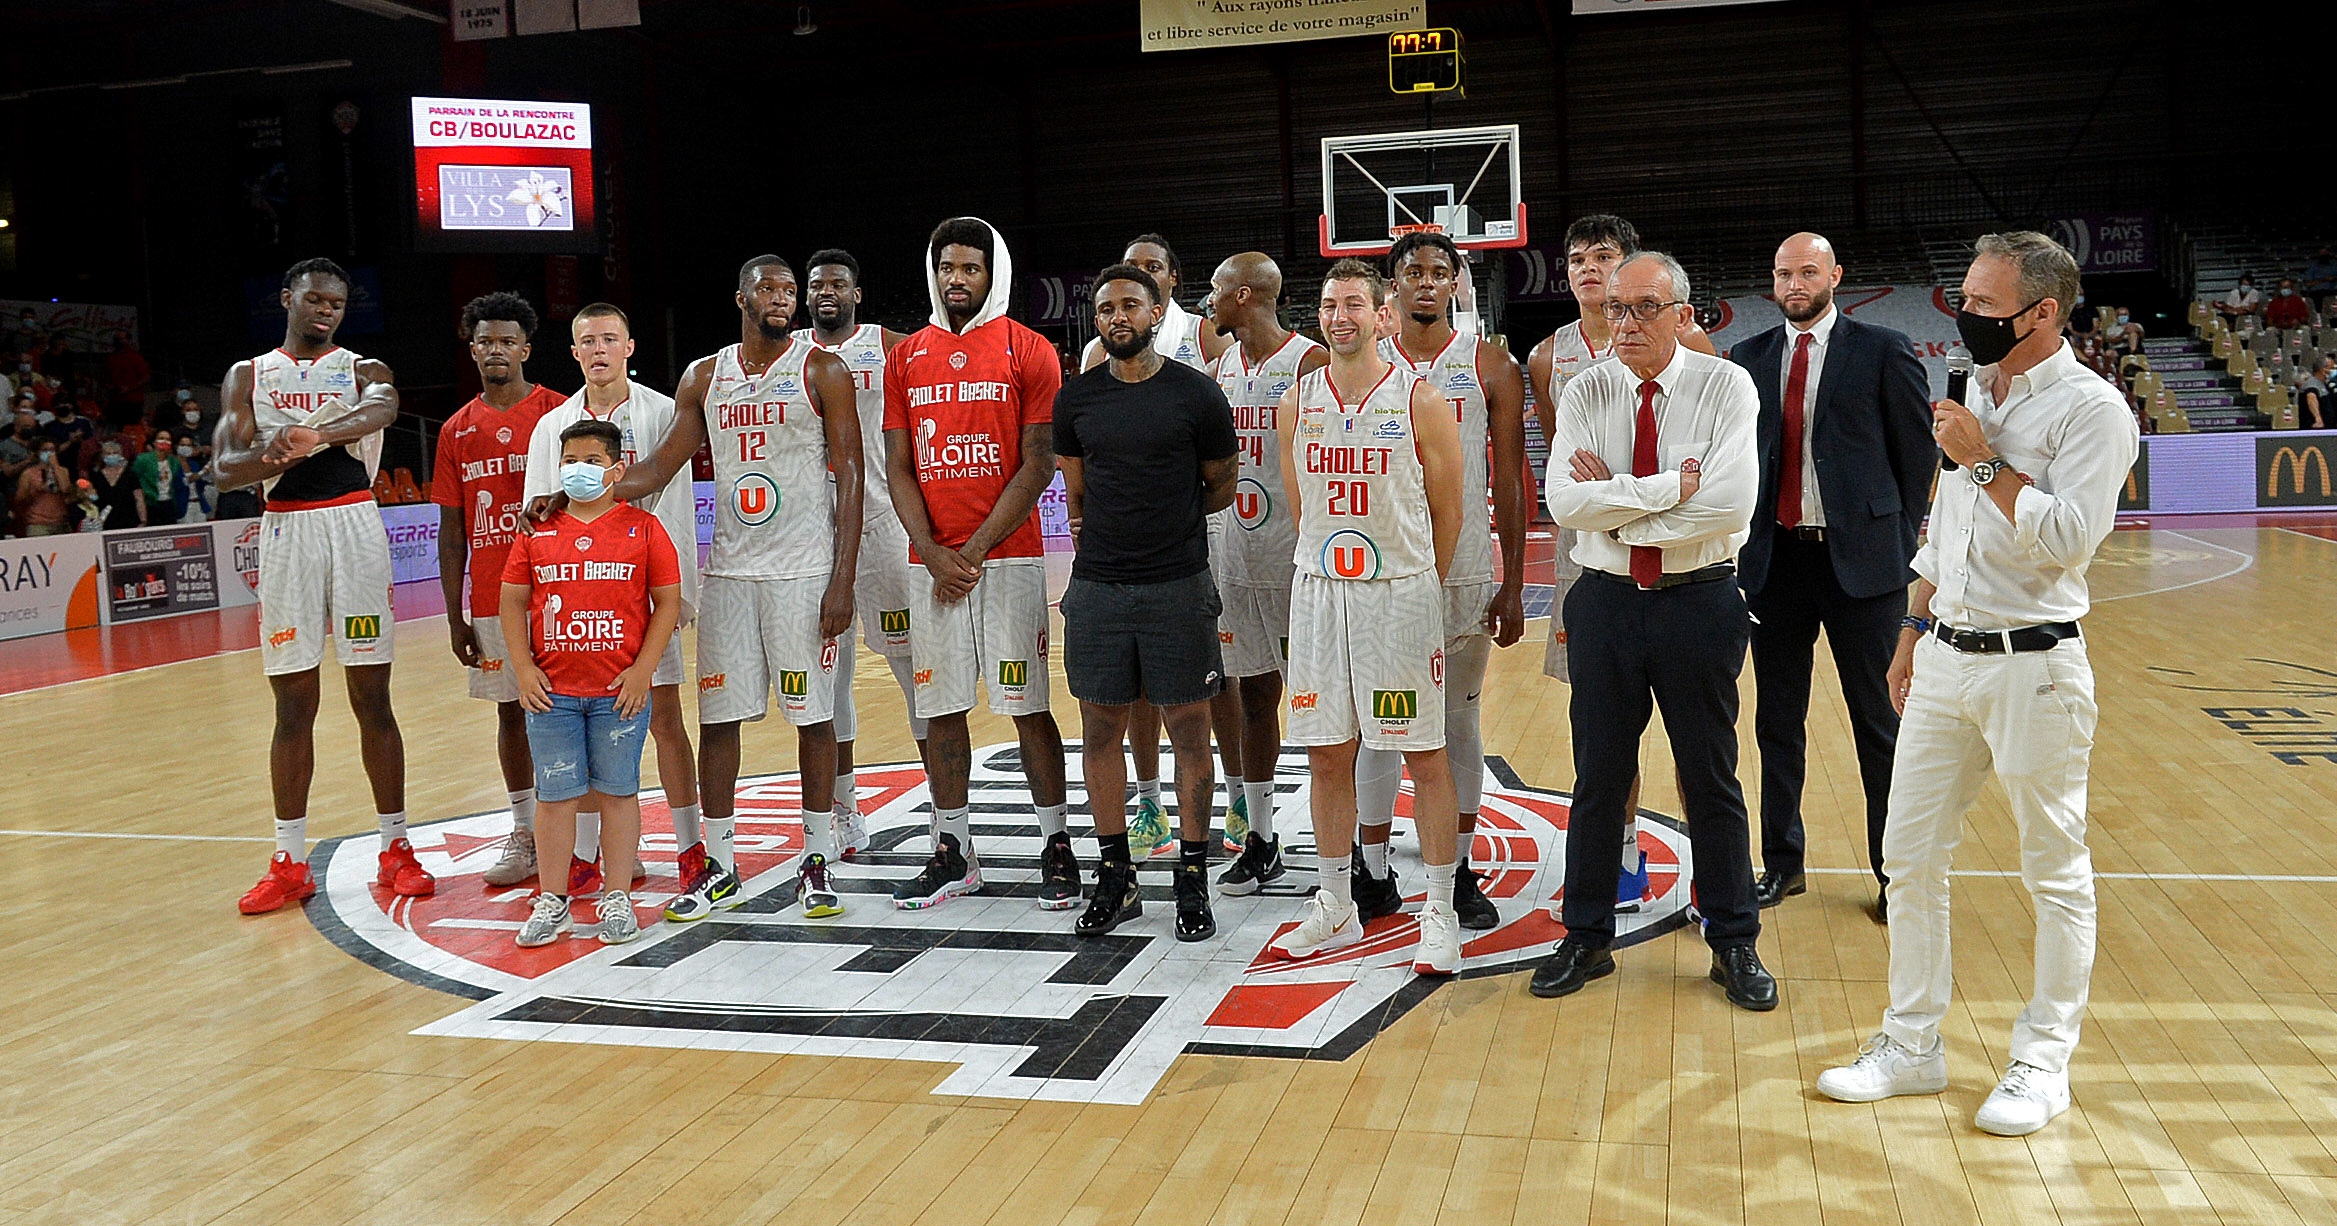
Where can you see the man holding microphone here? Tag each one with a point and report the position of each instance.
(1991, 674)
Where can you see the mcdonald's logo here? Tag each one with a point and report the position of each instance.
(356, 629)
(2294, 474)
(1395, 704)
(893, 621)
(1014, 672)
(794, 683)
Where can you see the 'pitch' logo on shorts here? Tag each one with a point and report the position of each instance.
(355, 629)
(712, 681)
(1014, 672)
(281, 637)
(1305, 700)
(923, 678)
(1395, 704)
(794, 683)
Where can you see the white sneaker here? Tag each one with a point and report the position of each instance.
(1440, 942)
(851, 832)
(618, 924)
(1328, 925)
(518, 861)
(1885, 1068)
(547, 922)
(2026, 1100)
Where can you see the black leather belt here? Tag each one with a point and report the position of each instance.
(1804, 532)
(1720, 570)
(1987, 642)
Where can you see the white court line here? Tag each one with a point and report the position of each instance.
(117, 834)
(1990, 872)
(496, 925)
(2247, 560)
(2310, 536)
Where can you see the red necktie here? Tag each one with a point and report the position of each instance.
(1646, 560)
(1797, 384)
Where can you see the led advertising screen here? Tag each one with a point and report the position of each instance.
(503, 176)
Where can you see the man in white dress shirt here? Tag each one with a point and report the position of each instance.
(1654, 464)
(1991, 675)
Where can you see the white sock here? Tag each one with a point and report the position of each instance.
(1051, 820)
(847, 792)
(1375, 858)
(523, 810)
(819, 833)
(1148, 789)
(1260, 796)
(1440, 885)
(292, 838)
(1334, 875)
(393, 827)
(686, 833)
(956, 824)
(1631, 853)
(588, 836)
(721, 840)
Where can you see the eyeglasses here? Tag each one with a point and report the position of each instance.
(1644, 311)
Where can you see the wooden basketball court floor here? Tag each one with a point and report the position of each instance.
(165, 1060)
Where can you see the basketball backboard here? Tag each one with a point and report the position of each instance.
(1463, 182)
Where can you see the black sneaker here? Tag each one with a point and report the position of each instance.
(1194, 922)
(944, 877)
(1115, 901)
(1259, 864)
(1058, 875)
(1376, 896)
(1477, 912)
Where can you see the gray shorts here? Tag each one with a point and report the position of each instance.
(1155, 641)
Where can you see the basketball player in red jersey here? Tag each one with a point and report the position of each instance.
(305, 420)
(969, 445)
(777, 587)
(482, 468)
(880, 589)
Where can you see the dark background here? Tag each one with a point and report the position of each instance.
(719, 134)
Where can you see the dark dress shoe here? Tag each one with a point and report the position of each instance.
(1774, 888)
(1880, 912)
(1737, 969)
(1569, 967)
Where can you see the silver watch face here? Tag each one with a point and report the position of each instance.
(1985, 471)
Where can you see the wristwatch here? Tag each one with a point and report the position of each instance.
(1987, 470)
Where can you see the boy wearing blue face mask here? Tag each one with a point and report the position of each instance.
(594, 593)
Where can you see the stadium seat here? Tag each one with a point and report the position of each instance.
(408, 492)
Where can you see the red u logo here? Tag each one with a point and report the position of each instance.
(1349, 561)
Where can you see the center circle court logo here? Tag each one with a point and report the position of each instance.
(1252, 505)
(1349, 554)
(754, 499)
(987, 983)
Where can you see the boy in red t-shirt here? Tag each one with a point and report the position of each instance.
(602, 588)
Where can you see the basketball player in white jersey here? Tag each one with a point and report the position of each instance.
(601, 341)
(1181, 337)
(1253, 563)
(1481, 384)
(304, 420)
(1374, 469)
(1596, 244)
(880, 590)
(777, 588)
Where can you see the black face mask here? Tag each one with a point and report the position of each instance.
(1988, 337)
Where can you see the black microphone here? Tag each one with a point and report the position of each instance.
(1959, 364)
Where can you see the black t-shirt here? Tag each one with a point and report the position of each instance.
(1141, 447)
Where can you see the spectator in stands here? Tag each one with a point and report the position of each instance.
(44, 495)
(119, 497)
(163, 478)
(2243, 300)
(27, 336)
(68, 427)
(2321, 274)
(58, 363)
(198, 485)
(2125, 333)
(191, 422)
(18, 447)
(2287, 309)
(127, 375)
(2312, 395)
(2081, 318)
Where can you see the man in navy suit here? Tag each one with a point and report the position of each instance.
(1847, 460)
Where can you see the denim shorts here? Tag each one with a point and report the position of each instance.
(582, 745)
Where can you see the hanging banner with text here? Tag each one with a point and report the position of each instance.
(1588, 8)
(1187, 25)
(48, 584)
(2109, 242)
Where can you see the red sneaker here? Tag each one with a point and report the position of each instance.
(403, 874)
(287, 880)
(583, 878)
(689, 863)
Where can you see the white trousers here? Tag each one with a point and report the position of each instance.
(2029, 717)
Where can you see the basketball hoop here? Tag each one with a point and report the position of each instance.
(1464, 183)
